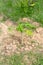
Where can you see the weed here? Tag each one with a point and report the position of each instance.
(21, 27)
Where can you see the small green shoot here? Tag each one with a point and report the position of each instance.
(20, 28)
(29, 26)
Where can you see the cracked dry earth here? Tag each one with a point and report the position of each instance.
(10, 42)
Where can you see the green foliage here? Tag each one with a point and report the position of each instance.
(14, 61)
(38, 11)
(29, 27)
(14, 9)
(19, 59)
(32, 4)
(36, 58)
(20, 28)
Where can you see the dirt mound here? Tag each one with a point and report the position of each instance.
(10, 42)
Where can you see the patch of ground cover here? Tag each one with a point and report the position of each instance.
(38, 12)
(25, 58)
(11, 38)
(10, 41)
(24, 8)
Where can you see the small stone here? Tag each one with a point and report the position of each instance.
(30, 47)
(26, 49)
(7, 47)
(33, 45)
(38, 30)
(25, 19)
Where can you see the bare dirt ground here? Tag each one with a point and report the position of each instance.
(10, 42)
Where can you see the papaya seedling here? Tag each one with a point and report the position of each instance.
(29, 27)
(21, 29)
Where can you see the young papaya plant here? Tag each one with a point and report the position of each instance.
(29, 27)
(21, 29)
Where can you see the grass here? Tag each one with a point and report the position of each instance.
(38, 11)
(24, 59)
(22, 8)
